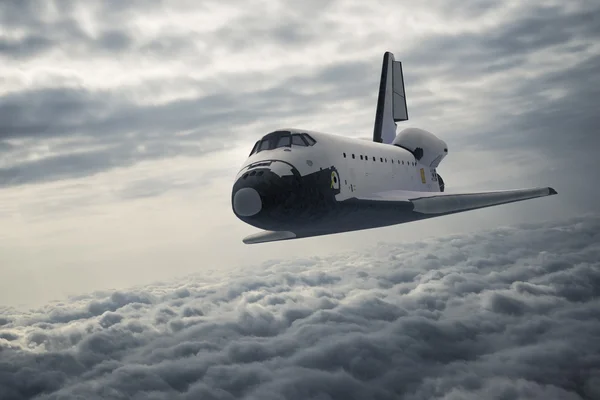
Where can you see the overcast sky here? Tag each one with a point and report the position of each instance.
(122, 124)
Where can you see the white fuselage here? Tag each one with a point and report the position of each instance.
(364, 167)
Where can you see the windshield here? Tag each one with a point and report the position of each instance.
(277, 139)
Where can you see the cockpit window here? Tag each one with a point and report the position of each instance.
(309, 139)
(264, 145)
(279, 139)
(298, 140)
(284, 141)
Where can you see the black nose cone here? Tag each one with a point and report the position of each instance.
(266, 196)
(246, 202)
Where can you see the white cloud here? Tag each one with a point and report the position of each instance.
(512, 311)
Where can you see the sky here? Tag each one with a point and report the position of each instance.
(123, 124)
(122, 267)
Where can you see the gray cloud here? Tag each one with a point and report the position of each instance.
(112, 118)
(559, 125)
(88, 163)
(510, 313)
(506, 45)
(118, 35)
(131, 132)
(64, 111)
(65, 34)
(54, 25)
(543, 122)
(27, 46)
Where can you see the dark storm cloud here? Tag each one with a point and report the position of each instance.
(511, 313)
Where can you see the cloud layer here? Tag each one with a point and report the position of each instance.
(509, 313)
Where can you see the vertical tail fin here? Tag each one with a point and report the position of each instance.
(391, 103)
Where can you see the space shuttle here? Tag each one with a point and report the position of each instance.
(298, 183)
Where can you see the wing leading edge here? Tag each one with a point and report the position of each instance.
(435, 203)
(268, 236)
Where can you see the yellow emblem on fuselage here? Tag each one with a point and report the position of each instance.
(335, 181)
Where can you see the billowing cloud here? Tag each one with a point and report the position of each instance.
(509, 313)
